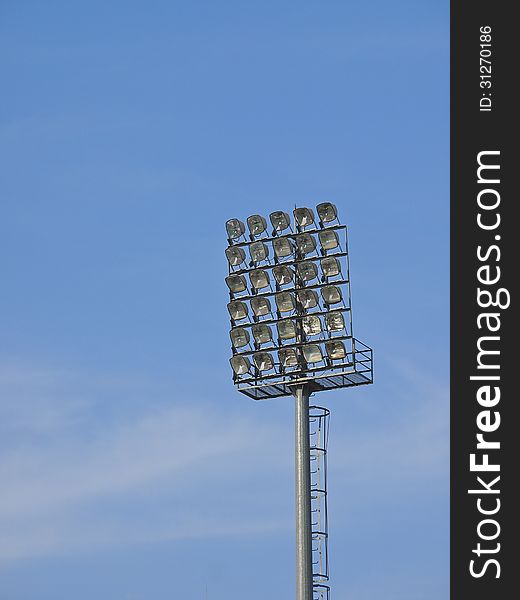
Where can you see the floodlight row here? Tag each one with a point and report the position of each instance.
(294, 289)
(287, 331)
(285, 302)
(306, 357)
(285, 248)
(303, 217)
(300, 274)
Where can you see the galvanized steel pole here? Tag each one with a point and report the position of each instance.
(303, 496)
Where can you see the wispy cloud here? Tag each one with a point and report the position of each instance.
(70, 480)
(73, 478)
(413, 441)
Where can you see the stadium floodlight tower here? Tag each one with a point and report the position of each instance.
(291, 335)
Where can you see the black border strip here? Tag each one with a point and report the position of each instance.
(473, 131)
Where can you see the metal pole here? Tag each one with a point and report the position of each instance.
(303, 496)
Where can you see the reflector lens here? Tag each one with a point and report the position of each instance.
(308, 298)
(282, 247)
(336, 350)
(236, 283)
(330, 266)
(239, 337)
(307, 271)
(240, 364)
(328, 239)
(284, 301)
(306, 243)
(258, 251)
(261, 306)
(327, 212)
(280, 220)
(235, 228)
(259, 279)
(304, 216)
(257, 224)
(331, 294)
(282, 274)
(237, 310)
(262, 333)
(312, 353)
(288, 357)
(286, 330)
(263, 361)
(311, 325)
(236, 256)
(334, 321)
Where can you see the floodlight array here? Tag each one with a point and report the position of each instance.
(289, 290)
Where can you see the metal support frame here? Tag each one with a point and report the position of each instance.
(350, 368)
(354, 369)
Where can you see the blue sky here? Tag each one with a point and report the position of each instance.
(130, 468)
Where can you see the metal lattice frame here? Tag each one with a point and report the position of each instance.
(355, 368)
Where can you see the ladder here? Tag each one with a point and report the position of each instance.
(318, 434)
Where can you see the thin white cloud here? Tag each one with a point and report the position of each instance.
(412, 445)
(77, 480)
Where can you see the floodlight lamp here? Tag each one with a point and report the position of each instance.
(328, 239)
(303, 216)
(258, 252)
(257, 225)
(334, 321)
(283, 274)
(235, 228)
(263, 361)
(288, 357)
(280, 220)
(235, 255)
(306, 243)
(327, 212)
(307, 298)
(284, 301)
(236, 283)
(312, 353)
(237, 310)
(239, 337)
(259, 279)
(240, 365)
(307, 271)
(282, 247)
(311, 325)
(330, 266)
(286, 330)
(331, 294)
(260, 306)
(336, 350)
(262, 333)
